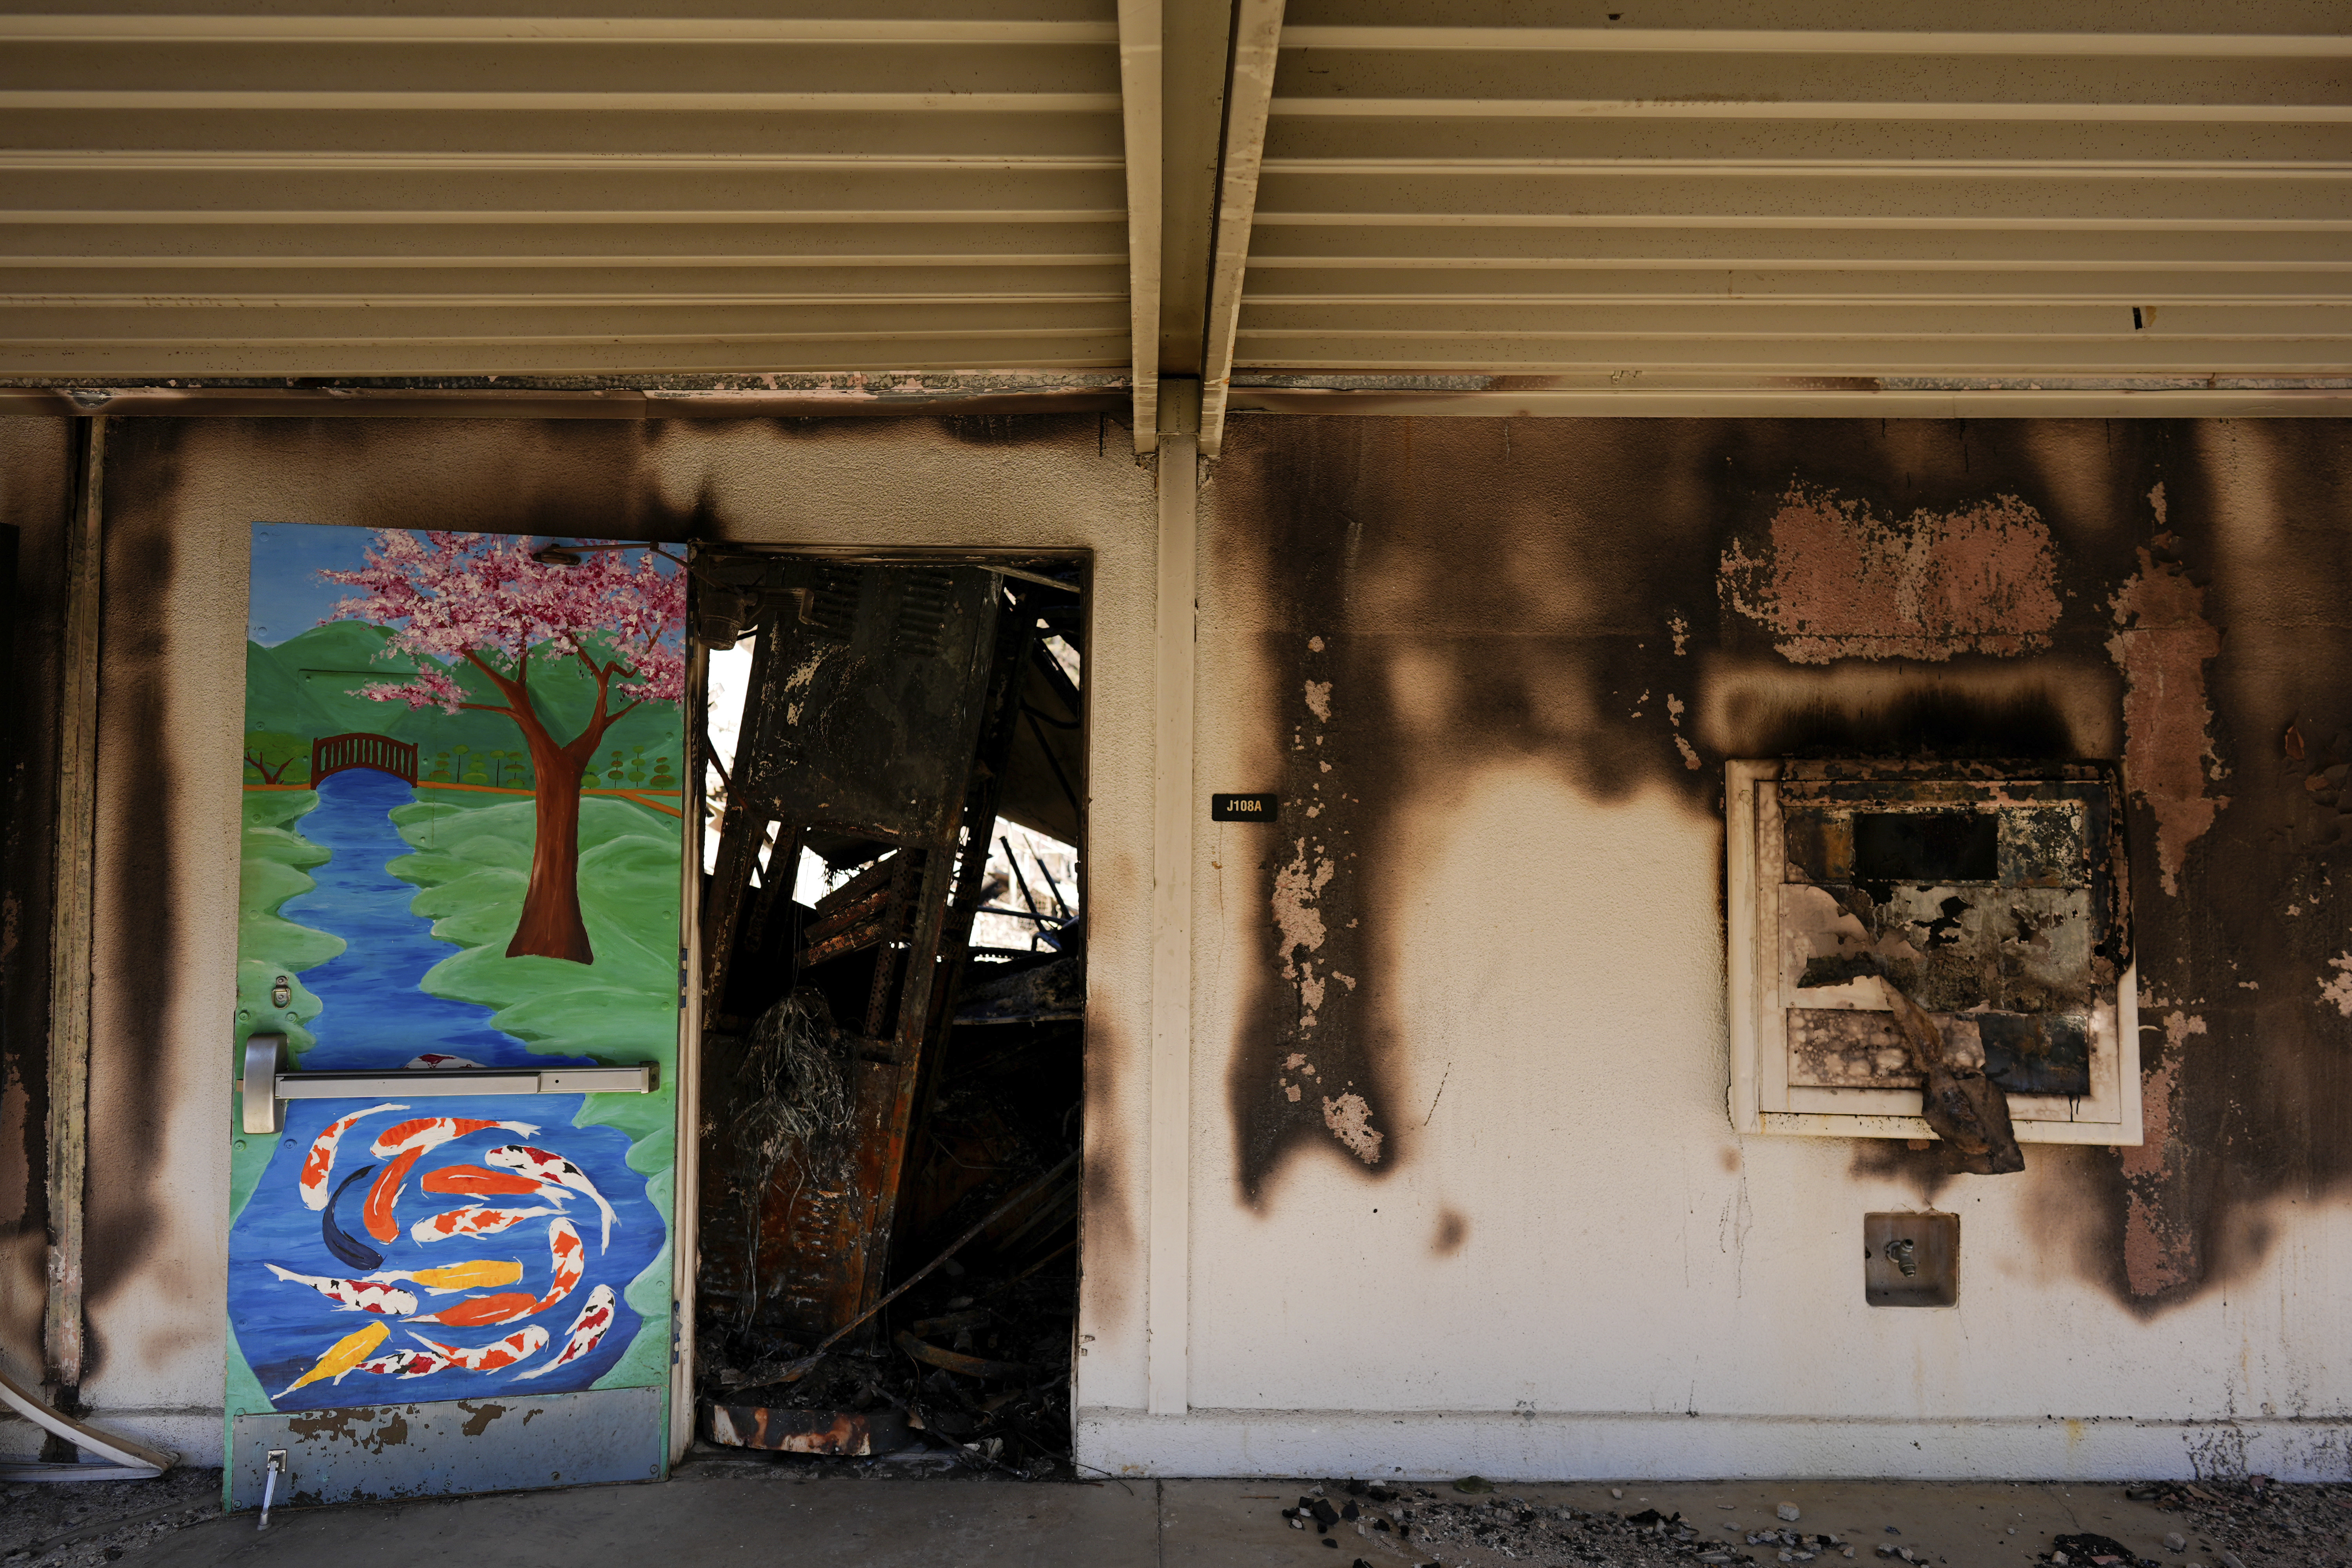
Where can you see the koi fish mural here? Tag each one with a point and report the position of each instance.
(376, 1212)
(474, 1274)
(474, 1221)
(331, 1247)
(348, 1250)
(354, 1295)
(344, 1356)
(554, 1169)
(432, 1131)
(587, 1328)
(320, 1163)
(523, 1342)
(474, 1182)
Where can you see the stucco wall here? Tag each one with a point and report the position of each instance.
(181, 496)
(1463, 1163)
(1504, 1225)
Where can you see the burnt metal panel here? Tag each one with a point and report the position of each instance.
(865, 701)
(450, 1447)
(1911, 1260)
(1986, 892)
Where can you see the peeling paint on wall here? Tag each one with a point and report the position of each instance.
(2338, 988)
(1501, 608)
(2159, 1247)
(1350, 1121)
(1839, 581)
(1295, 906)
(2162, 648)
(1312, 1079)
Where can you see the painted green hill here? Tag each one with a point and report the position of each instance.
(300, 690)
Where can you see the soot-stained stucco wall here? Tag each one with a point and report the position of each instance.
(1623, 604)
(181, 495)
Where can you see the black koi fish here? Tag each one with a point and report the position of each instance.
(347, 1250)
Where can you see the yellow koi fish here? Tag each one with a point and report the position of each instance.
(346, 1355)
(476, 1273)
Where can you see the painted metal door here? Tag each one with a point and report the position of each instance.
(457, 996)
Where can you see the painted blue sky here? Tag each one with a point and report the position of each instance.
(287, 597)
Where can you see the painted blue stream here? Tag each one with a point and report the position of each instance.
(375, 1016)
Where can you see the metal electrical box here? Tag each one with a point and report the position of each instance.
(1995, 895)
(1911, 1260)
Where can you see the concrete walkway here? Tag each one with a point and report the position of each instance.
(723, 1512)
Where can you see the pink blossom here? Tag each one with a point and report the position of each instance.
(447, 596)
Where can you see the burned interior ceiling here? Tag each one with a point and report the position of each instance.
(1629, 604)
(890, 1114)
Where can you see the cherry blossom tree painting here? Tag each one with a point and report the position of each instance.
(459, 602)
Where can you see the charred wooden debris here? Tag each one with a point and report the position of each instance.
(889, 1189)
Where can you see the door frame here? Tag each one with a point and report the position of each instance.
(685, 1269)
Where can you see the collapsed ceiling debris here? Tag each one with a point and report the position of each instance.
(883, 1099)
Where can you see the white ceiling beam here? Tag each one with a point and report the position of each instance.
(1198, 36)
(1139, 65)
(1257, 35)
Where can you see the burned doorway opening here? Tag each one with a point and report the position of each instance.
(893, 943)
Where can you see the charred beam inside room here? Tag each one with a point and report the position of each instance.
(892, 983)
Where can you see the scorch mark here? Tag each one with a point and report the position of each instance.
(2159, 1251)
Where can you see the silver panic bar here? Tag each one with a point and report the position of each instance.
(268, 1084)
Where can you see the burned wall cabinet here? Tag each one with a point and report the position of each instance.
(1994, 895)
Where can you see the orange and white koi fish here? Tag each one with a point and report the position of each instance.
(524, 1342)
(556, 1171)
(426, 1063)
(483, 1312)
(344, 1356)
(588, 1328)
(474, 1182)
(377, 1212)
(407, 1364)
(567, 1261)
(320, 1163)
(354, 1295)
(432, 1131)
(476, 1221)
(476, 1274)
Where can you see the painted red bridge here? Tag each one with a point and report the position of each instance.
(332, 755)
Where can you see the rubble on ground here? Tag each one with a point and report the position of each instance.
(82, 1525)
(2249, 1523)
(1416, 1525)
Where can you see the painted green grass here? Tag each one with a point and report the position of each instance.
(471, 867)
(275, 866)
